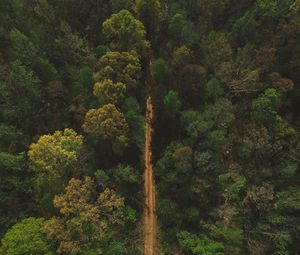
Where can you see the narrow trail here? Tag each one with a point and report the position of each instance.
(150, 240)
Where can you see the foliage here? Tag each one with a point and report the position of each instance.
(217, 50)
(26, 238)
(264, 108)
(109, 92)
(101, 50)
(107, 123)
(160, 70)
(233, 184)
(85, 219)
(52, 154)
(121, 67)
(172, 104)
(175, 164)
(197, 123)
(53, 158)
(149, 12)
(135, 120)
(199, 245)
(15, 188)
(181, 57)
(125, 33)
(224, 80)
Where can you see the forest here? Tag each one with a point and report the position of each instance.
(149, 127)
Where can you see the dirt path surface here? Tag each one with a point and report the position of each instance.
(149, 214)
(150, 238)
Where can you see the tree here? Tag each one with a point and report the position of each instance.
(214, 116)
(55, 153)
(232, 185)
(135, 119)
(160, 70)
(69, 46)
(23, 47)
(149, 12)
(85, 219)
(176, 26)
(15, 189)
(181, 57)
(101, 50)
(172, 104)
(26, 238)
(125, 33)
(107, 123)
(118, 5)
(213, 89)
(117, 248)
(11, 138)
(52, 158)
(121, 67)
(175, 165)
(264, 108)
(273, 8)
(127, 180)
(245, 28)
(125, 174)
(212, 13)
(191, 80)
(22, 96)
(109, 92)
(260, 198)
(199, 245)
(217, 50)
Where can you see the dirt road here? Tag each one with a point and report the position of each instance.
(149, 210)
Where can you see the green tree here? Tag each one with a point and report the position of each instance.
(176, 26)
(274, 8)
(15, 189)
(126, 174)
(217, 50)
(118, 5)
(136, 121)
(26, 238)
(125, 33)
(199, 245)
(264, 108)
(213, 89)
(149, 12)
(101, 50)
(23, 47)
(232, 185)
(22, 96)
(117, 248)
(160, 70)
(214, 116)
(172, 104)
(190, 81)
(175, 165)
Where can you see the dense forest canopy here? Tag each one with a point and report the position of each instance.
(224, 80)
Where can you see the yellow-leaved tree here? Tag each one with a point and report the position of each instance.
(53, 158)
(107, 123)
(85, 219)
